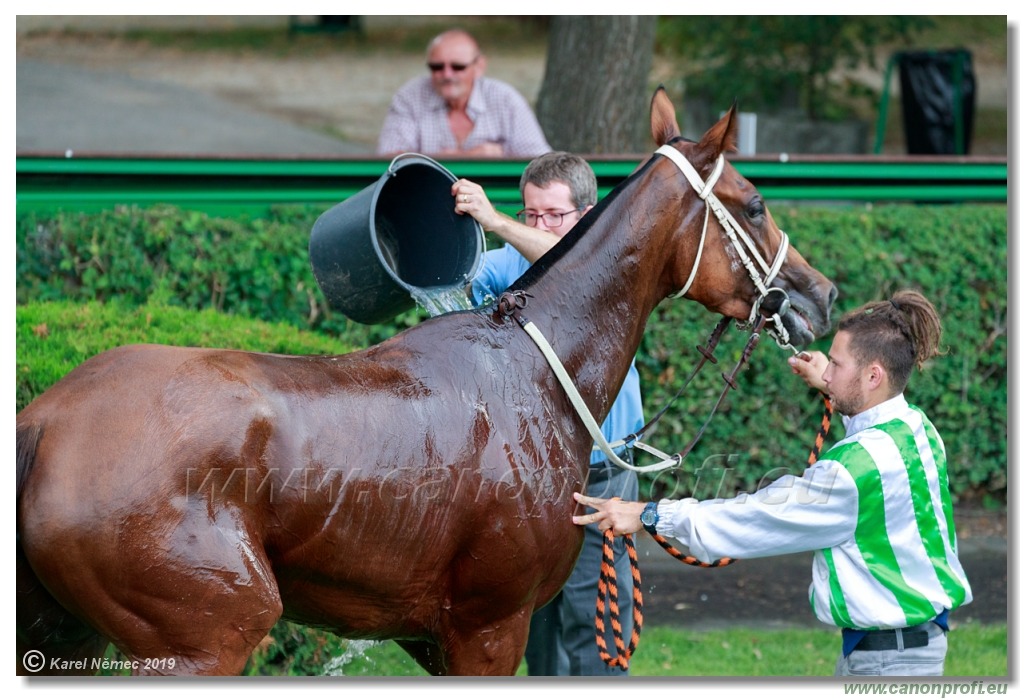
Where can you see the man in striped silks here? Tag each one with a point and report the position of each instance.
(875, 508)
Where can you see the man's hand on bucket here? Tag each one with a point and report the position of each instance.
(471, 199)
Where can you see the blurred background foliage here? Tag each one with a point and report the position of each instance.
(769, 63)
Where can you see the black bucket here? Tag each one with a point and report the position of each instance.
(371, 252)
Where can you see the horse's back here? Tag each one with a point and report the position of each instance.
(114, 419)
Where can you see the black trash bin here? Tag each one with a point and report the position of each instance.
(938, 98)
(374, 251)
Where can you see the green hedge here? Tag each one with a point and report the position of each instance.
(55, 337)
(258, 268)
(955, 254)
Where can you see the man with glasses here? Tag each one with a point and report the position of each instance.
(456, 112)
(558, 188)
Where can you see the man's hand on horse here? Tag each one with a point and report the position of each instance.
(621, 517)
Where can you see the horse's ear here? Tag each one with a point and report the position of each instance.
(664, 126)
(721, 138)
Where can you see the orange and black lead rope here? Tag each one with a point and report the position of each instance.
(607, 587)
(608, 599)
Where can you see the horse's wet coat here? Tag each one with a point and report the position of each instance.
(179, 501)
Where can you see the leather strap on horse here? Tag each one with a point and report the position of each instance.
(607, 586)
(512, 303)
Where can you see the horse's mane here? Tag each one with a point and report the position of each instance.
(558, 251)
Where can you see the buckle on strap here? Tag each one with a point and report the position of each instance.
(887, 640)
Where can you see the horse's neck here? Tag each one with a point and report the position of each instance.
(592, 304)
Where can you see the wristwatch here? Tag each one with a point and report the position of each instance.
(649, 518)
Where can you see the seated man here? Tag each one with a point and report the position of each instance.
(456, 111)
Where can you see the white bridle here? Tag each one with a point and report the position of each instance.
(746, 250)
(741, 242)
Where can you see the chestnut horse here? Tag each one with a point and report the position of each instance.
(178, 502)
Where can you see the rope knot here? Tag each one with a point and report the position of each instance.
(510, 303)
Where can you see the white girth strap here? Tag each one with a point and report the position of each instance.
(589, 421)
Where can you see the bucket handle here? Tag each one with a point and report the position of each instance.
(418, 156)
(481, 238)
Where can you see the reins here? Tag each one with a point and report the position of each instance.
(769, 306)
(512, 304)
(819, 441)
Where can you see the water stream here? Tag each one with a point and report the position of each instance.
(441, 300)
(354, 649)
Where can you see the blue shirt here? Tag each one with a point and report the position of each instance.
(502, 267)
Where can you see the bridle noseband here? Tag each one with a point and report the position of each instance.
(743, 245)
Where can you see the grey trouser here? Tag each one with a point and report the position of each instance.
(917, 661)
(562, 638)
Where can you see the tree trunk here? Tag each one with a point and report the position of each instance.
(595, 96)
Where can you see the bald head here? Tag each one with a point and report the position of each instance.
(453, 37)
(455, 62)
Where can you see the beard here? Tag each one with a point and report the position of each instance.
(848, 399)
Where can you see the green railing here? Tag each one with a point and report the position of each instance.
(232, 185)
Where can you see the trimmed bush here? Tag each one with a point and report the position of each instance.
(55, 337)
(258, 268)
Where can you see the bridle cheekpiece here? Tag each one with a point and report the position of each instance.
(742, 244)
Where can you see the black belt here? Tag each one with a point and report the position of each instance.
(884, 640)
(605, 469)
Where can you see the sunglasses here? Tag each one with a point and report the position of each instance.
(456, 67)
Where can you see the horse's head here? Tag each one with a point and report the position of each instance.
(731, 256)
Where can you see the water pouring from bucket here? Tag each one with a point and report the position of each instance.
(397, 243)
(441, 300)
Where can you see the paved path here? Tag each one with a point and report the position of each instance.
(68, 108)
(772, 592)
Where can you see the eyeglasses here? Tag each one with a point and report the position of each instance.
(552, 219)
(456, 67)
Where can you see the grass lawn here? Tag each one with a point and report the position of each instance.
(974, 651)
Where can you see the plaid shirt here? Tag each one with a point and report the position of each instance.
(417, 121)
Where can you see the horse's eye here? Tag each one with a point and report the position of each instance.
(755, 208)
